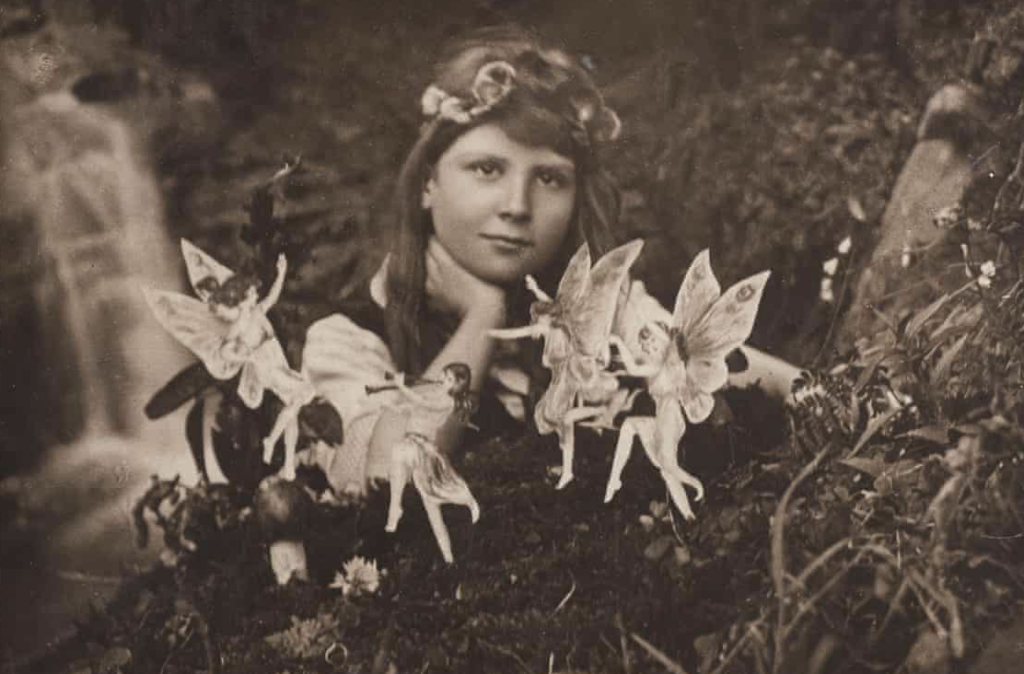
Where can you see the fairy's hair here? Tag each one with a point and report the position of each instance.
(231, 292)
(462, 374)
(535, 113)
(465, 400)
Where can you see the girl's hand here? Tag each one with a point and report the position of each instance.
(450, 287)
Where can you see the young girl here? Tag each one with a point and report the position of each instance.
(503, 182)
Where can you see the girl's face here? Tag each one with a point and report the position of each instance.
(500, 208)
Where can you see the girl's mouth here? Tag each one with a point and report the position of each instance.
(510, 243)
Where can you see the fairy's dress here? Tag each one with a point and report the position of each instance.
(558, 398)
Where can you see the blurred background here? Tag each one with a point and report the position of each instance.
(771, 132)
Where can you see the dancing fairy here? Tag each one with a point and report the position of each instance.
(228, 330)
(576, 326)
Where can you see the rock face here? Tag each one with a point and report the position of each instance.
(910, 262)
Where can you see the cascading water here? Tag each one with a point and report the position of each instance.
(77, 175)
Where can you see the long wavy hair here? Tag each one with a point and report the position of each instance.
(538, 112)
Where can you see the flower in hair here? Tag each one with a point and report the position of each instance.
(492, 84)
(591, 118)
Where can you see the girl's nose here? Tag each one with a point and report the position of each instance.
(517, 207)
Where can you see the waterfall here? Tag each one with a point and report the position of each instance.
(78, 179)
(98, 214)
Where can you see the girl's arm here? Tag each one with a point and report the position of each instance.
(481, 307)
(773, 375)
(275, 291)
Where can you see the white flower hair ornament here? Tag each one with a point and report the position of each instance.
(492, 84)
(496, 80)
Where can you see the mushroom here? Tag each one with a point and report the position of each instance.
(282, 510)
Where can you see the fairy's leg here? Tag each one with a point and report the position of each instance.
(567, 439)
(399, 473)
(286, 417)
(438, 483)
(440, 529)
(632, 427)
(291, 439)
(669, 431)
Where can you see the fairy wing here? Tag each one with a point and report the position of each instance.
(635, 309)
(193, 324)
(200, 266)
(591, 314)
(573, 285)
(697, 293)
(727, 324)
(342, 359)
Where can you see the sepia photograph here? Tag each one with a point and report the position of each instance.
(539, 337)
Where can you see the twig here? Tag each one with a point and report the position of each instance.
(507, 652)
(808, 604)
(778, 530)
(567, 597)
(666, 662)
(212, 654)
(894, 606)
(167, 660)
(627, 661)
(80, 577)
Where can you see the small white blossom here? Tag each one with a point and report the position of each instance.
(844, 246)
(988, 268)
(359, 576)
(831, 265)
(985, 281)
(826, 290)
(905, 259)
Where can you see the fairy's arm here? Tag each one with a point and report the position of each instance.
(414, 397)
(633, 368)
(538, 292)
(535, 330)
(275, 291)
(773, 375)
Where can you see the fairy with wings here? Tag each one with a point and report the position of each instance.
(352, 369)
(682, 358)
(576, 325)
(228, 330)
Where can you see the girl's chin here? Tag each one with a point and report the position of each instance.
(501, 270)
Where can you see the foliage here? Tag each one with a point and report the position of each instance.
(307, 639)
(930, 547)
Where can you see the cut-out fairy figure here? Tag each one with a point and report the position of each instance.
(416, 457)
(683, 363)
(228, 330)
(576, 325)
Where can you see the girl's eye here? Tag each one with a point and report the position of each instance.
(553, 179)
(485, 169)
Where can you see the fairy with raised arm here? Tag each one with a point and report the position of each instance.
(576, 325)
(682, 357)
(228, 330)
